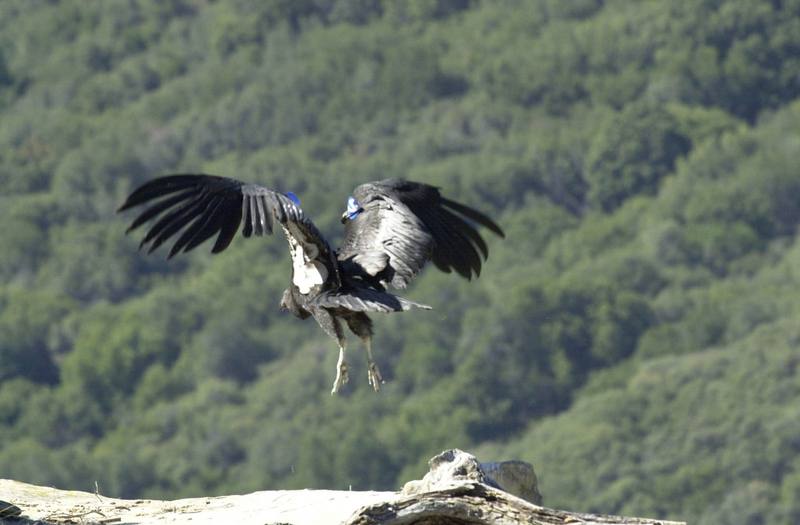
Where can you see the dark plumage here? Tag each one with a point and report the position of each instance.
(393, 227)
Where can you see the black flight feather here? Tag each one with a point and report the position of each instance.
(195, 207)
(474, 215)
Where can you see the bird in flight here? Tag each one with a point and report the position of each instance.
(392, 228)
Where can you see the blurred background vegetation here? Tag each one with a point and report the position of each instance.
(636, 336)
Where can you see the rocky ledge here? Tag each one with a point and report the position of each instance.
(457, 490)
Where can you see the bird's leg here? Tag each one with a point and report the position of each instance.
(373, 372)
(341, 369)
(331, 325)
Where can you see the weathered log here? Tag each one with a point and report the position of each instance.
(457, 490)
(478, 504)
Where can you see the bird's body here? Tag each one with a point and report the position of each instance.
(392, 228)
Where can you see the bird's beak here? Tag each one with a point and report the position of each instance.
(344, 217)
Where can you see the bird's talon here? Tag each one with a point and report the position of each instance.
(342, 377)
(374, 377)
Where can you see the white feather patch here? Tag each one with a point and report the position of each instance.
(306, 272)
(307, 275)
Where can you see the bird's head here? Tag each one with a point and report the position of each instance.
(352, 211)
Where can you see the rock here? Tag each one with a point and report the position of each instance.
(47, 505)
(515, 477)
(453, 467)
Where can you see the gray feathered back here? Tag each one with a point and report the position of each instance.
(404, 224)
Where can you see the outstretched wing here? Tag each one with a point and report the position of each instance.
(201, 206)
(403, 224)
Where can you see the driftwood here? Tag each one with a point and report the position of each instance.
(478, 504)
(457, 490)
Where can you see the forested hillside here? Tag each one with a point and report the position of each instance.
(636, 336)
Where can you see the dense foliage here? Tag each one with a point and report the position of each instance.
(636, 336)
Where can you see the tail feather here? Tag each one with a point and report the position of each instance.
(366, 300)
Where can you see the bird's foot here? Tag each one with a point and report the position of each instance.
(341, 377)
(374, 376)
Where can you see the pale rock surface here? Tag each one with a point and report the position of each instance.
(296, 507)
